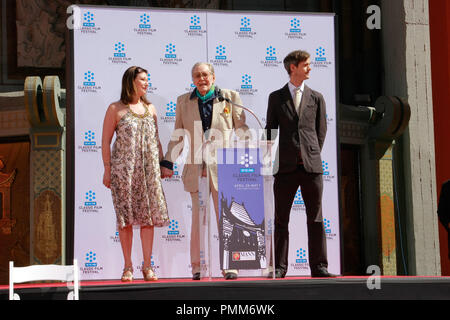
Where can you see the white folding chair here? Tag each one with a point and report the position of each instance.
(46, 272)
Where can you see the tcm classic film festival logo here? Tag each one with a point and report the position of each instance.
(301, 261)
(329, 233)
(320, 58)
(88, 25)
(247, 177)
(271, 57)
(173, 233)
(168, 116)
(247, 87)
(151, 85)
(89, 143)
(221, 58)
(89, 84)
(327, 174)
(299, 204)
(89, 203)
(170, 56)
(91, 264)
(144, 25)
(295, 31)
(245, 30)
(120, 55)
(195, 28)
(247, 162)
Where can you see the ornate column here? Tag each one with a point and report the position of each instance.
(47, 120)
(406, 45)
(7, 222)
(387, 214)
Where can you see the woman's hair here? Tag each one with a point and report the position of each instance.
(128, 87)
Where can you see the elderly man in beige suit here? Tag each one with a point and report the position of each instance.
(207, 120)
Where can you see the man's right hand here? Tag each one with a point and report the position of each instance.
(166, 173)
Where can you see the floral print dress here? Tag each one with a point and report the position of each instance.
(136, 187)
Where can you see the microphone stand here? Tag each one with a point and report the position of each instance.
(222, 98)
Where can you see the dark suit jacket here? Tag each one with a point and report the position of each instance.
(304, 134)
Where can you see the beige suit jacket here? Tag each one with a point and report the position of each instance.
(188, 124)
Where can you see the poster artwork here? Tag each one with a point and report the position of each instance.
(241, 193)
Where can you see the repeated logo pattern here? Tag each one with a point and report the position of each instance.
(145, 21)
(195, 23)
(301, 256)
(243, 79)
(88, 19)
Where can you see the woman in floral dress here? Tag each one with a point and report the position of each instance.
(132, 169)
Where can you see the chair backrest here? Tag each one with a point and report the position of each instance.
(46, 272)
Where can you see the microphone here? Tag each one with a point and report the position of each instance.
(268, 145)
(222, 98)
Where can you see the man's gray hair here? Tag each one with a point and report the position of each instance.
(209, 65)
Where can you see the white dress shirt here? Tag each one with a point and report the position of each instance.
(292, 90)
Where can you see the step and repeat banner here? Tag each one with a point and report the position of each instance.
(246, 50)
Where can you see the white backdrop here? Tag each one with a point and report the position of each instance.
(246, 50)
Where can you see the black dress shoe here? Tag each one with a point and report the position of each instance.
(196, 276)
(322, 272)
(278, 274)
(231, 276)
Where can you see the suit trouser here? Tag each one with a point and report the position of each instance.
(285, 189)
(195, 228)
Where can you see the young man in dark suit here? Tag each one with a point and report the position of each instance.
(299, 114)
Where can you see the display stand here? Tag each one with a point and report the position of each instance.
(245, 231)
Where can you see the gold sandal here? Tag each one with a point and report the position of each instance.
(149, 274)
(127, 275)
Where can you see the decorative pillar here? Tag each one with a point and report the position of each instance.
(7, 222)
(406, 45)
(47, 120)
(387, 214)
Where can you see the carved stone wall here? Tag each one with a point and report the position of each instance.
(40, 34)
(47, 228)
(14, 157)
(15, 241)
(41, 26)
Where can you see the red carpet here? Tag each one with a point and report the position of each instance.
(290, 288)
(94, 283)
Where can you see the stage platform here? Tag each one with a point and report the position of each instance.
(255, 289)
